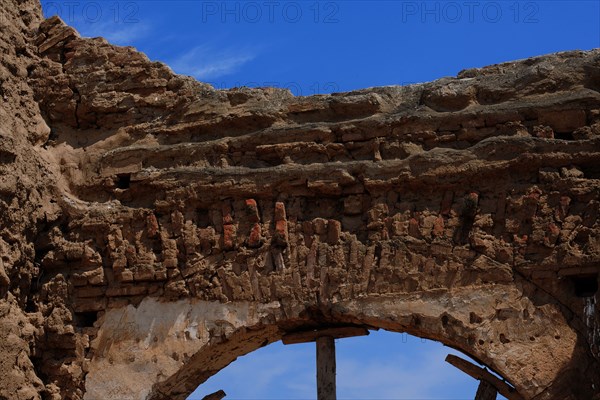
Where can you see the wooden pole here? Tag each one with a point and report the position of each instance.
(325, 339)
(313, 334)
(479, 373)
(486, 391)
(326, 368)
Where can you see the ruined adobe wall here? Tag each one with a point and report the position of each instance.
(459, 210)
(26, 193)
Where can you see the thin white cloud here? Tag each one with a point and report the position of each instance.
(256, 375)
(207, 62)
(119, 33)
(398, 377)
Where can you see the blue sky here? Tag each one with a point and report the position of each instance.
(328, 46)
(383, 365)
(323, 46)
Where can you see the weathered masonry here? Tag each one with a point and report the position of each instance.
(152, 229)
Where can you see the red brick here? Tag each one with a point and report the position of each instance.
(413, 228)
(255, 239)
(281, 228)
(552, 234)
(280, 237)
(229, 232)
(438, 227)
(334, 229)
(280, 211)
(227, 217)
(474, 197)
(446, 205)
(252, 210)
(152, 225)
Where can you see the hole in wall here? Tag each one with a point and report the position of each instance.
(591, 171)
(564, 135)
(86, 319)
(585, 285)
(7, 157)
(123, 181)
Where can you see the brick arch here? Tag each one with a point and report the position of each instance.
(140, 353)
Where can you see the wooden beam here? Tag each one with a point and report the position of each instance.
(215, 396)
(481, 374)
(314, 334)
(326, 368)
(486, 391)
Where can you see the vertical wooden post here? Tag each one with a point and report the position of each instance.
(486, 391)
(325, 339)
(326, 368)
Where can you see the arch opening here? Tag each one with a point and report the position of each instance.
(179, 345)
(383, 365)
